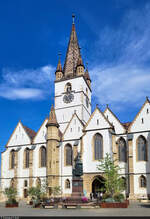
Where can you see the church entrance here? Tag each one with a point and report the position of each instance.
(98, 185)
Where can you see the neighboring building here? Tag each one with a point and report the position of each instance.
(32, 157)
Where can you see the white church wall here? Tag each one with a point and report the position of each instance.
(41, 134)
(118, 127)
(90, 165)
(19, 136)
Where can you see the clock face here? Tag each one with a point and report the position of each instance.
(68, 98)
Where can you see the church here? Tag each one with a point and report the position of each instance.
(31, 157)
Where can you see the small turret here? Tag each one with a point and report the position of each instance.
(80, 66)
(53, 139)
(87, 77)
(59, 72)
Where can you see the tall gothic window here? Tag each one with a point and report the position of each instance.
(12, 183)
(141, 148)
(68, 87)
(27, 153)
(38, 182)
(12, 158)
(122, 150)
(98, 147)
(68, 154)
(67, 184)
(43, 156)
(142, 181)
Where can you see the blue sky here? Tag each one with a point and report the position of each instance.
(114, 37)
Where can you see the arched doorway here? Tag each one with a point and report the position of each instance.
(98, 185)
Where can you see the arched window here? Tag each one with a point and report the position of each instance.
(141, 149)
(12, 183)
(67, 184)
(142, 181)
(122, 150)
(98, 147)
(12, 159)
(27, 153)
(68, 87)
(25, 183)
(43, 156)
(68, 155)
(124, 182)
(38, 182)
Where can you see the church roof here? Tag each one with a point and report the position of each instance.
(31, 133)
(72, 54)
(52, 118)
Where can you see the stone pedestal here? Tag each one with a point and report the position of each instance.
(77, 187)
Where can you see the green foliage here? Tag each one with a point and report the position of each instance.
(113, 183)
(35, 192)
(11, 194)
(56, 190)
(118, 197)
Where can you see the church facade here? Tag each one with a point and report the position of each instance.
(30, 157)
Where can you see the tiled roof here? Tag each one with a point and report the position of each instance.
(30, 132)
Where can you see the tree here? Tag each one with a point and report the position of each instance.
(113, 183)
(56, 190)
(35, 192)
(11, 194)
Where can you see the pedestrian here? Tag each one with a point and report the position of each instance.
(91, 196)
(101, 196)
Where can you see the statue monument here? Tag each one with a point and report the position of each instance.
(77, 181)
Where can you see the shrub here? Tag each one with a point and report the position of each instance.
(106, 195)
(118, 197)
(11, 194)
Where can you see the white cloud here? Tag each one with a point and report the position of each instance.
(121, 71)
(26, 83)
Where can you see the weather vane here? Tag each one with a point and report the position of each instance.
(59, 55)
(87, 65)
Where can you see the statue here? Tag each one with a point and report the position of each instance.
(78, 170)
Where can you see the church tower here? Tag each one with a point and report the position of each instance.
(52, 150)
(72, 85)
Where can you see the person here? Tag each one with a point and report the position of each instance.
(91, 196)
(101, 196)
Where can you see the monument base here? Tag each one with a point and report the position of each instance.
(77, 187)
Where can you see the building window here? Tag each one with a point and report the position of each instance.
(38, 182)
(147, 111)
(68, 87)
(67, 184)
(142, 120)
(12, 183)
(97, 121)
(27, 153)
(122, 150)
(12, 159)
(98, 147)
(43, 156)
(25, 191)
(25, 183)
(68, 154)
(124, 182)
(142, 181)
(141, 149)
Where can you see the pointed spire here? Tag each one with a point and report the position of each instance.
(52, 121)
(59, 67)
(72, 54)
(86, 75)
(80, 62)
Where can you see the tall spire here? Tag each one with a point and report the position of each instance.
(59, 67)
(72, 54)
(52, 121)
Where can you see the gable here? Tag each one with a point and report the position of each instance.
(114, 121)
(19, 136)
(73, 129)
(41, 134)
(142, 120)
(97, 121)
